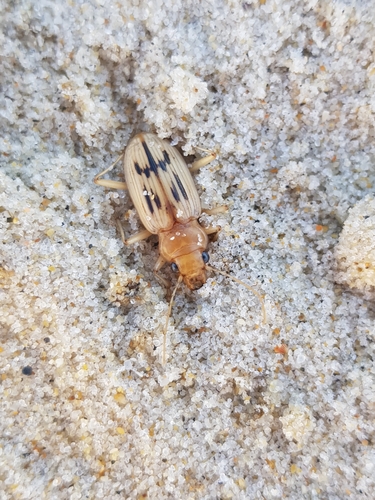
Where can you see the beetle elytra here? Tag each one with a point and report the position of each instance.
(166, 199)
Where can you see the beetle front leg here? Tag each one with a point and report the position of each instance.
(211, 229)
(214, 211)
(159, 264)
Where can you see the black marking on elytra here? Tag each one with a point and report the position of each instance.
(138, 168)
(154, 168)
(148, 199)
(162, 165)
(146, 171)
(181, 186)
(150, 158)
(166, 157)
(176, 196)
(157, 201)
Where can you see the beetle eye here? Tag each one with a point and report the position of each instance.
(205, 257)
(174, 267)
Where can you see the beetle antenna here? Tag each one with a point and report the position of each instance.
(257, 294)
(167, 321)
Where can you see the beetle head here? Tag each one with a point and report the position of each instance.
(192, 269)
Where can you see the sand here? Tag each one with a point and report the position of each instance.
(283, 92)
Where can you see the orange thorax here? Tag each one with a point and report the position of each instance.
(184, 244)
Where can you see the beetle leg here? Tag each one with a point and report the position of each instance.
(107, 182)
(216, 210)
(211, 229)
(141, 235)
(159, 264)
(202, 162)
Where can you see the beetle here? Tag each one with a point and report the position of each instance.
(163, 192)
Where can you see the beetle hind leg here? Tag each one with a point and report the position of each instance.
(202, 162)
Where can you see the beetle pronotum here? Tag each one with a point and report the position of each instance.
(166, 199)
